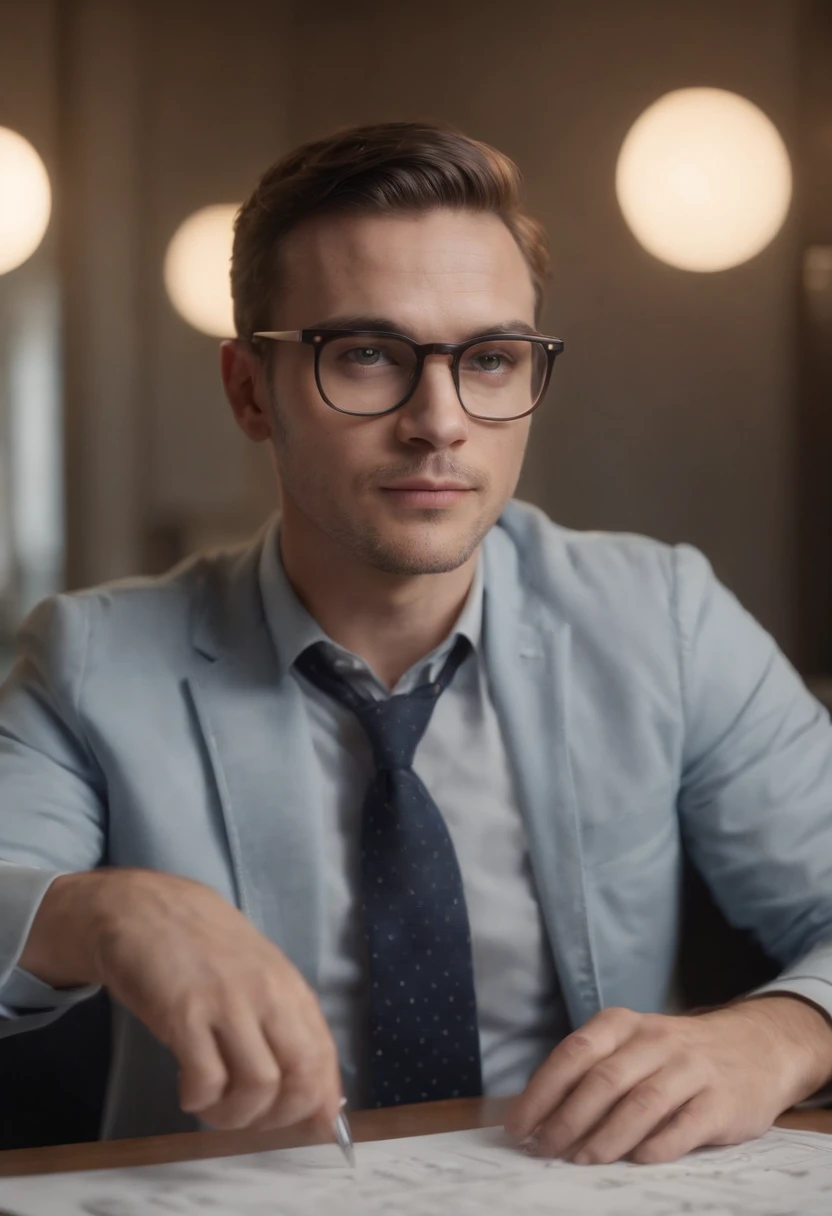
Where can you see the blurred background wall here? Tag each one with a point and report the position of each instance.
(688, 406)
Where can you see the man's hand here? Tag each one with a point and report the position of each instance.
(252, 1044)
(653, 1088)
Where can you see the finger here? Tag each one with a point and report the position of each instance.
(253, 1073)
(202, 1072)
(598, 1093)
(316, 1128)
(648, 1105)
(311, 1077)
(568, 1063)
(692, 1126)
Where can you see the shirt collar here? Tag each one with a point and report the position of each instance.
(293, 629)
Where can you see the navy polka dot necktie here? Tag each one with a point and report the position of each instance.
(424, 1039)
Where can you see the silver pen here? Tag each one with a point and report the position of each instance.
(344, 1137)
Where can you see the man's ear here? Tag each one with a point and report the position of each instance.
(244, 380)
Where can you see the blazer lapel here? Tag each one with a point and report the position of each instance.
(256, 735)
(528, 656)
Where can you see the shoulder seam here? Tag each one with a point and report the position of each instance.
(681, 641)
(82, 674)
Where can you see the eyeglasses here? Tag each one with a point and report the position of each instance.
(498, 377)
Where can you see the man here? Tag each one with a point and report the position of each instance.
(211, 804)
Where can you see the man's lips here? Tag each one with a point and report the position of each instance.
(421, 493)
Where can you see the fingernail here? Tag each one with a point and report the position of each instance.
(342, 1103)
(530, 1145)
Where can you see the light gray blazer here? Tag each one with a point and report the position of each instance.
(149, 724)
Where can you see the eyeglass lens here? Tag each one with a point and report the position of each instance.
(368, 374)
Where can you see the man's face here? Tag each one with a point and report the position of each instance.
(443, 276)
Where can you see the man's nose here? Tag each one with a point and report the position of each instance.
(434, 414)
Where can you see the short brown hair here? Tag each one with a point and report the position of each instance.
(389, 167)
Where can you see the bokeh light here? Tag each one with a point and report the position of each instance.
(703, 179)
(25, 200)
(196, 269)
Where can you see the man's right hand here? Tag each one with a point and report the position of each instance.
(252, 1044)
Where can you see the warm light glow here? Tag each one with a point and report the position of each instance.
(196, 270)
(703, 179)
(817, 268)
(25, 200)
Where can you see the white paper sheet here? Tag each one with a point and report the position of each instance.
(458, 1174)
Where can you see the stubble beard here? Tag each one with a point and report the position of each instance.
(365, 541)
(412, 554)
(406, 556)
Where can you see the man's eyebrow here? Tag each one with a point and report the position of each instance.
(388, 325)
(510, 327)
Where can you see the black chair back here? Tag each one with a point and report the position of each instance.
(53, 1080)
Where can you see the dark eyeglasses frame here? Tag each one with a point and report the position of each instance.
(318, 339)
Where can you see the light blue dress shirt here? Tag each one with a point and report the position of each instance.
(462, 760)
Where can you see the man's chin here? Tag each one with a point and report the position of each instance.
(395, 560)
(415, 554)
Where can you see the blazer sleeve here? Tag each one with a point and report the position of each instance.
(755, 800)
(52, 798)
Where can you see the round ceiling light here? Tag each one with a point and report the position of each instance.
(25, 200)
(196, 269)
(703, 179)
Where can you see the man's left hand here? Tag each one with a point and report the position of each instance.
(651, 1087)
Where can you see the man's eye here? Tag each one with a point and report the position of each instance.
(366, 356)
(490, 361)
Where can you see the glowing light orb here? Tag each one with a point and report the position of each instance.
(703, 179)
(25, 200)
(196, 269)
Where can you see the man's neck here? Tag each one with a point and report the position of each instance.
(390, 621)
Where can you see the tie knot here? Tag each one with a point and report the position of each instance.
(395, 726)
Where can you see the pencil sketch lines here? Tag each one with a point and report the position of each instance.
(467, 1173)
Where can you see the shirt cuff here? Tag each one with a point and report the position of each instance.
(22, 889)
(810, 987)
(24, 992)
(818, 992)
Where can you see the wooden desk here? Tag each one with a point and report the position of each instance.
(366, 1125)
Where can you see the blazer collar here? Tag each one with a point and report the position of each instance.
(228, 616)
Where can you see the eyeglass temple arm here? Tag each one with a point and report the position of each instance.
(281, 335)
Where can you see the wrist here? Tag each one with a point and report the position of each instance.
(62, 947)
(799, 1040)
